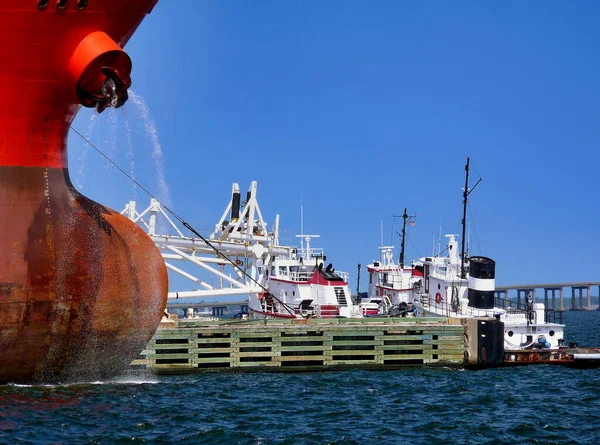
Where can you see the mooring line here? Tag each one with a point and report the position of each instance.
(181, 220)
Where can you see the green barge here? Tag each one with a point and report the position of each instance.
(192, 346)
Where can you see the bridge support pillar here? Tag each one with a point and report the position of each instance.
(562, 303)
(519, 291)
(589, 298)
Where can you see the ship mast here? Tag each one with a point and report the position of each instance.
(405, 217)
(358, 284)
(466, 193)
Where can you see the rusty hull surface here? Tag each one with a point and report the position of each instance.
(82, 288)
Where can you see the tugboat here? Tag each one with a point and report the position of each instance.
(82, 288)
(391, 285)
(301, 285)
(460, 286)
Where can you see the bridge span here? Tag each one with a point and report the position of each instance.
(579, 292)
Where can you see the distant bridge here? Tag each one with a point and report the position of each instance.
(579, 291)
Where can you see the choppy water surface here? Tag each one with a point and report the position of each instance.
(536, 404)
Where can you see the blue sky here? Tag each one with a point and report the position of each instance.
(359, 109)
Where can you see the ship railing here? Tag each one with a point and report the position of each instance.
(554, 316)
(442, 308)
(509, 305)
(394, 281)
(342, 275)
(305, 276)
(443, 272)
(299, 276)
(445, 307)
(512, 306)
(315, 252)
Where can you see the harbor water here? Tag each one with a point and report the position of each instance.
(531, 405)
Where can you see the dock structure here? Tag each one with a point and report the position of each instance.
(580, 291)
(191, 346)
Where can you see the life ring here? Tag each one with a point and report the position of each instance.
(438, 298)
(238, 262)
(261, 296)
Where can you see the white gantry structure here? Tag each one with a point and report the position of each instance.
(243, 247)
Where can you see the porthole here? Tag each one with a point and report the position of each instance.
(439, 286)
(551, 333)
(511, 333)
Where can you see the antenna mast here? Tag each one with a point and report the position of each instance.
(466, 193)
(301, 227)
(358, 285)
(405, 217)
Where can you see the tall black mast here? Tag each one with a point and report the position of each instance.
(464, 221)
(403, 245)
(358, 283)
(405, 217)
(466, 193)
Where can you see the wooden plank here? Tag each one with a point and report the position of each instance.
(443, 347)
(219, 333)
(300, 339)
(173, 366)
(255, 334)
(212, 340)
(209, 350)
(299, 348)
(440, 353)
(405, 347)
(352, 352)
(406, 357)
(254, 354)
(349, 362)
(354, 342)
(212, 360)
(447, 339)
(256, 364)
(299, 358)
(162, 347)
(255, 344)
(170, 356)
(175, 333)
(403, 337)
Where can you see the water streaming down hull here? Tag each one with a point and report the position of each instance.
(82, 288)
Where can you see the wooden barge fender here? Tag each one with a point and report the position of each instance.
(303, 345)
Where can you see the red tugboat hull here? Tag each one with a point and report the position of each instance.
(82, 288)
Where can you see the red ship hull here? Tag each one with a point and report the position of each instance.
(82, 288)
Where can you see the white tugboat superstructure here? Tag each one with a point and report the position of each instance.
(459, 286)
(391, 286)
(301, 281)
